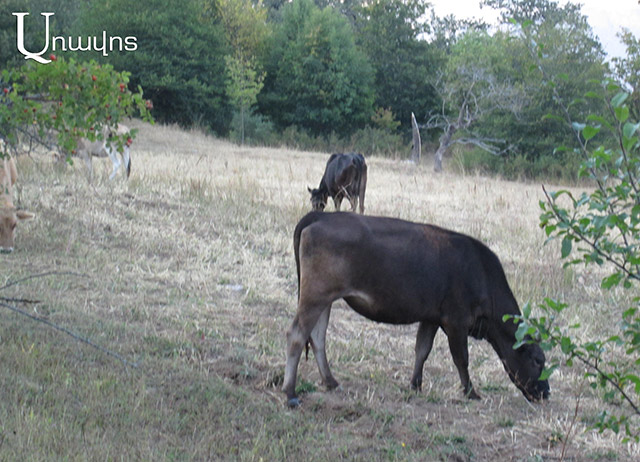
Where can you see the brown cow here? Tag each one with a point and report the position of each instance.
(9, 215)
(398, 272)
(345, 175)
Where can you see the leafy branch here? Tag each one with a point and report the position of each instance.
(599, 227)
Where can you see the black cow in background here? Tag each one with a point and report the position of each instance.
(344, 176)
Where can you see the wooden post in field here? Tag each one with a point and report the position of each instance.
(416, 151)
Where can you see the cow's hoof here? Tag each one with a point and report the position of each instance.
(293, 403)
(332, 385)
(473, 395)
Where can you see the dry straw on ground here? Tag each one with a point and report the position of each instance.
(188, 270)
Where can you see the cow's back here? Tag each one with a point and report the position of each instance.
(410, 272)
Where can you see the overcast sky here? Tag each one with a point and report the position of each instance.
(606, 17)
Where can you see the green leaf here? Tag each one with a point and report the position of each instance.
(622, 113)
(566, 247)
(589, 132)
(612, 281)
(629, 129)
(523, 330)
(546, 373)
(601, 120)
(566, 345)
(553, 117)
(619, 99)
(635, 380)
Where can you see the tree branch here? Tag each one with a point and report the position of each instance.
(592, 243)
(51, 324)
(70, 333)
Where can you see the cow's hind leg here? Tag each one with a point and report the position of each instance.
(353, 200)
(126, 156)
(114, 160)
(363, 188)
(424, 342)
(458, 345)
(86, 156)
(297, 337)
(318, 335)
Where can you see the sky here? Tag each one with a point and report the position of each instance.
(606, 17)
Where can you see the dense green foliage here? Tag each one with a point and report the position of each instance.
(316, 78)
(179, 61)
(404, 66)
(314, 72)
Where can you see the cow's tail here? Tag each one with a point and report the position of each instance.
(307, 220)
(129, 166)
(362, 186)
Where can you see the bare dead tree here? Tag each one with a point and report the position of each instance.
(416, 150)
(474, 94)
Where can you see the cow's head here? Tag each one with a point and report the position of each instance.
(318, 199)
(9, 218)
(524, 366)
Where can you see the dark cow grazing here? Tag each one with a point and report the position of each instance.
(399, 272)
(344, 176)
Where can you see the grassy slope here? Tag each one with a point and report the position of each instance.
(187, 269)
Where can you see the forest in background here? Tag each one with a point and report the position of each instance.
(346, 75)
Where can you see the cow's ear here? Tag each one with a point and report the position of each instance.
(24, 215)
(310, 190)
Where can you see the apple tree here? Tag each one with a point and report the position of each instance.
(55, 104)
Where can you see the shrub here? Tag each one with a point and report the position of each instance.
(258, 130)
(379, 141)
(602, 228)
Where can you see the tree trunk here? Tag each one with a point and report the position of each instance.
(445, 142)
(416, 151)
(242, 125)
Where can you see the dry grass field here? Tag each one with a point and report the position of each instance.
(187, 270)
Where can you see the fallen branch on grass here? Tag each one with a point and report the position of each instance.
(15, 309)
(41, 275)
(70, 333)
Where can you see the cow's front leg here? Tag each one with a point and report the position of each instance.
(318, 335)
(458, 345)
(337, 201)
(424, 343)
